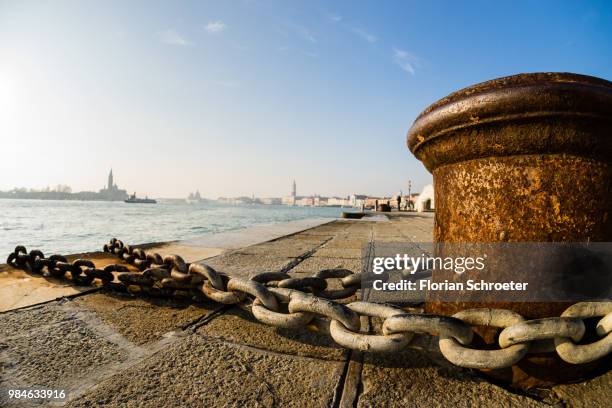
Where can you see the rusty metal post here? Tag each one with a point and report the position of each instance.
(525, 158)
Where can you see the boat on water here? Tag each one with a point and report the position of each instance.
(135, 200)
(195, 198)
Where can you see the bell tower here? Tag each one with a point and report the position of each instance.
(110, 180)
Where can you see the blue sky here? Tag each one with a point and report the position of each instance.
(241, 97)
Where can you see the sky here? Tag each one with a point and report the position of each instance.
(242, 97)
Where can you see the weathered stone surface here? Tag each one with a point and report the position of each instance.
(411, 378)
(199, 372)
(314, 238)
(356, 234)
(22, 321)
(359, 235)
(244, 265)
(339, 253)
(348, 243)
(51, 348)
(313, 265)
(142, 320)
(238, 326)
(331, 229)
(588, 394)
(387, 233)
(288, 247)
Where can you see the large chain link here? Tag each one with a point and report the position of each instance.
(279, 300)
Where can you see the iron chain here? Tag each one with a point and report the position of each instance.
(277, 299)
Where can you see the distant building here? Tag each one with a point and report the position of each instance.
(293, 198)
(425, 201)
(338, 202)
(304, 201)
(370, 202)
(412, 199)
(319, 201)
(112, 192)
(242, 200)
(271, 200)
(357, 200)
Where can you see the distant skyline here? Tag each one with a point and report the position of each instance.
(242, 97)
(112, 184)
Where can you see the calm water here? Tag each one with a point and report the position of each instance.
(79, 226)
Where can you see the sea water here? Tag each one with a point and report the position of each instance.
(67, 227)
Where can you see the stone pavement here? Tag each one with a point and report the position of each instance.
(107, 349)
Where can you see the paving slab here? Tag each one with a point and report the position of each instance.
(285, 247)
(239, 326)
(22, 321)
(330, 229)
(349, 236)
(246, 265)
(345, 253)
(412, 379)
(200, 372)
(313, 265)
(378, 240)
(594, 393)
(144, 320)
(387, 235)
(312, 238)
(51, 348)
(348, 243)
(364, 229)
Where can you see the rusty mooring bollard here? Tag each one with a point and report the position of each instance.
(525, 158)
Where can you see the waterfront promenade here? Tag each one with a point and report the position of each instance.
(114, 350)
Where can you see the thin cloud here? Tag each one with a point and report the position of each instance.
(302, 32)
(288, 49)
(215, 27)
(360, 32)
(405, 60)
(172, 37)
(364, 35)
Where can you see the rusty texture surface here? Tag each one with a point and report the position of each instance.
(526, 158)
(531, 198)
(544, 113)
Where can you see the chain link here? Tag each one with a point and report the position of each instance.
(471, 358)
(277, 299)
(580, 354)
(284, 320)
(370, 342)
